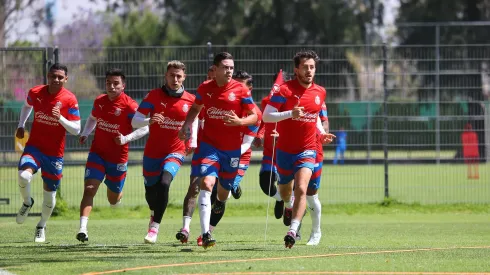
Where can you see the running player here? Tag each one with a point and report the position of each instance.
(219, 154)
(55, 113)
(296, 106)
(111, 118)
(164, 153)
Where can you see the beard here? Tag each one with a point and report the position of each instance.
(305, 79)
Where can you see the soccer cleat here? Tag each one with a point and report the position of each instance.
(40, 236)
(290, 239)
(82, 235)
(151, 237)
(314, 238)
(199, 240)
(236, 193)
(23, 212)
(279, 209)
(207, 240)
(182, 235)
(288, 215)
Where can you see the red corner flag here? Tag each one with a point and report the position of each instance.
(278, 82)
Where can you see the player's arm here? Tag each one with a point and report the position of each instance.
(246, 143)
(272, 113)
(25, 112)
(146, 107)
(135, 135)
(72, 122)
(325, 136)
(195, 129)
(88, 128)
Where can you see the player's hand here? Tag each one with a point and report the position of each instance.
(298, 111)
(82, 139)
(232, 119)
(56, 112)
(157, 118)
(19, 133)
(184, 132)
(257, 143)
(327, 138)
(119, 139)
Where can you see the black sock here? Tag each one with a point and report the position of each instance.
(162, 196)
(151, 196)
(265, 179)
(217, 215)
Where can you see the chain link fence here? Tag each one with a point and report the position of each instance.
(410, 102)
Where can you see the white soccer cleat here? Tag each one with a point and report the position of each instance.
(314, 238)
(82, 235)
(40, 235)
(24, 212)
(151, 237)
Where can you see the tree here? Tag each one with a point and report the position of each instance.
(10, 10)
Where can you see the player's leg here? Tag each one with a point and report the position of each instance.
(337, 154)
(314, 205)
(209, 167)
(267, 180)
(285, 166)
(188, 209)
(94, 174)
(51, 173)
(342, 152)
(236, 191)
(28, 166)
(151, 174)
(304, 164)
(170, 167)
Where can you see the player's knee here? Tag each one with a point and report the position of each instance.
(311, 191)
(166, 180)
(25, 178)
(49, 198)
(89, 190)
(208, 183)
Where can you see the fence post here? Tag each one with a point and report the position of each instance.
(45, 66)
(369, 133)
(385, 118)
(56, 54)
(210, 55)
(438, 96)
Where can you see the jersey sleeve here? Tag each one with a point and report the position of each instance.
(132, 108)
(278, 98)
(247, 100)
(95, 112)
(146, 107)
(199, 93)
(323, 113)
(73, 111)
(30, 98)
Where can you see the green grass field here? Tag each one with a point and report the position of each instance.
(424, 184)
(362, 239)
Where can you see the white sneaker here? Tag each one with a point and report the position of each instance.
(82, 235)
(151, 237)
(314, 238)
(23, 212)
(40, 235)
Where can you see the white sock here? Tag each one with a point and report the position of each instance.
(48, 205)
(155, 226)
(118, 203)
(204, 202)
(83, 222)
(277, 196)
(294, 226)
(315, 211)
(25, 178)
(187, 223)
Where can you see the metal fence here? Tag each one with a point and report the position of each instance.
(410, 102)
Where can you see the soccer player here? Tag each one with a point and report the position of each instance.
(471, 155)
(55, 113)
(341, 146)
(249, 134)
(211, 73)
(164, 153)
(268, 172)
(111, 118)
(219, 154)
(314, 204)
(296, 106)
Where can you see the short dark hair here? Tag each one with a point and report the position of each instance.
(211, 69)
(285, 76)
(115, 72)
(58, 67)
(220, 57)
(243, 75)
(305, 54)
